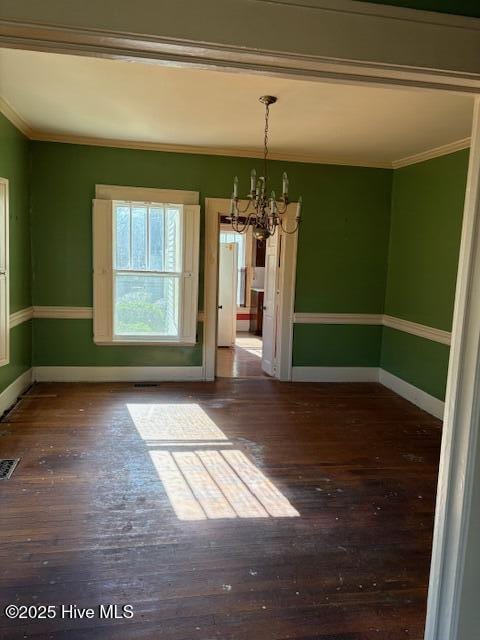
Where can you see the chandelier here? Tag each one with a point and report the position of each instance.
(263, 211)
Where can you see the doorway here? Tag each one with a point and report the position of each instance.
(248, 299)
(241, 304)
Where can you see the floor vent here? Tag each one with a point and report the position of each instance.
(146, 384)
(7, 467)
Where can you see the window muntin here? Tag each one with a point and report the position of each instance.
(147, 270)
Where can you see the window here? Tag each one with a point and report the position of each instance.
(227, 237)
(4, 288)
(145, 272)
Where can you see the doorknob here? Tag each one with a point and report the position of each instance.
(220, 306)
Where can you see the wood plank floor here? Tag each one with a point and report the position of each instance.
(85, 519)
(244, 360)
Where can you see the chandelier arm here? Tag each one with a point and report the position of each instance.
(245, 226)
(292, 231)
(242, 211)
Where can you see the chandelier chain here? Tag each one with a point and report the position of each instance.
(262, 209)
(265, 145)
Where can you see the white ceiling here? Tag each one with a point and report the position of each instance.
(58, 95)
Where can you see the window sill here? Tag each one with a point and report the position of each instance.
(145, 343)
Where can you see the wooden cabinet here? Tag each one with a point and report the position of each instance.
(256, 317)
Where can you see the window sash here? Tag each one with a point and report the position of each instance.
(170, 253)
(105, 272)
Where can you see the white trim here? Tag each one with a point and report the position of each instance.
(372, 49)
(422, 399)
(400, 324)
(436, 152)
(413, 394)
(9, 396)
(335, 374)
(61, 313)
(117, 374)
(145, 194)
(66, 313)
(416, 329)
(337, 318)
(287, 274)
(22, 315)
(232, 152)
(214, 207)
(459, 454)
(15, 118)
(4, 273)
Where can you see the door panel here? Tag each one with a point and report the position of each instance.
(227, 294)
(270, 305)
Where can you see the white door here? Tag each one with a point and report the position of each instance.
(270, 304)
(227, 294)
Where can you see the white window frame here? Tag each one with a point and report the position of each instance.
(4, 275)
(103, 262)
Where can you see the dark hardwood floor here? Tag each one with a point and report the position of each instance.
(85, 519)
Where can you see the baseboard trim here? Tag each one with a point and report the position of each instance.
(9, 396)
(422, 399)
(117, 374)
(413, 394)
(335, 374)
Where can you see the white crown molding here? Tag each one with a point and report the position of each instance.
(67, 313)
(40, 136)
(416, 329)
(436, 152)
(14, 117)
(20, 316)
(200, 150)
(407, 326)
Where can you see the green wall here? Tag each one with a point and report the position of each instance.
(372, 241)
(342, 250)
(427, 211)
(15, 165)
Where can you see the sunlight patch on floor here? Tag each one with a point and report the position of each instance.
(204, 483)
(161, 422)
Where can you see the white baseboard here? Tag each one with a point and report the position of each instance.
(422, 399)
(335, 374)
(117, 374)
(9, 395)
(416, 396)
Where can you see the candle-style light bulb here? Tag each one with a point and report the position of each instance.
(235, 187)
(273, 203)
(263, 186)
(285, 185)
(253, 181)
(299, 208)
